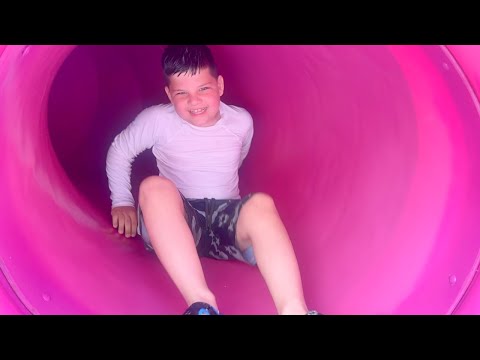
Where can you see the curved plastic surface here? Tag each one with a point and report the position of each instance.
(371, 152)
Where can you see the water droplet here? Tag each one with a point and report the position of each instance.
(452, 279)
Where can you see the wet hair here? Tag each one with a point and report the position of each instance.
(180, 59)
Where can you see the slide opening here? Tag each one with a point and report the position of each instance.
(370, 153)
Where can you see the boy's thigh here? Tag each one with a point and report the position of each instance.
(192, 217)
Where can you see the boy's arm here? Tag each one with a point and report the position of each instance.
(247, 140)
(137, 137)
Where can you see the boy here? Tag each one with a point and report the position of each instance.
(193, 208)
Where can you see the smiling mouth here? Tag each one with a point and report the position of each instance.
(198, 111)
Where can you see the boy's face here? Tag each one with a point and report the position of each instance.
(196, 98)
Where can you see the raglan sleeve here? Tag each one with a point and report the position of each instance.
(139, 135)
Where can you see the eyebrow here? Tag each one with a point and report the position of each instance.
(208, 83)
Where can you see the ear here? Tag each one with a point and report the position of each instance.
(167, 91)
(220, 84)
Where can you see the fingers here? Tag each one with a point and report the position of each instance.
(118, 221)
(125, 221)
(128, 225)
(115, 220)
(134, 224)
(121, 223)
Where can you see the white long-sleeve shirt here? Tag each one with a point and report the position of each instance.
(202, 162)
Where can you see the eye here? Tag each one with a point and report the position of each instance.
(204, 88)
(180, 93)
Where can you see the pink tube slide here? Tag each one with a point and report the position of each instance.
(372, 154)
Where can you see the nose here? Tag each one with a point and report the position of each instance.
(193, 99)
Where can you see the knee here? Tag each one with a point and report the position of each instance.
(259, 203)
(154, 184)
(260, 206)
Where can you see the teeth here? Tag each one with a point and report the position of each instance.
(197, 111)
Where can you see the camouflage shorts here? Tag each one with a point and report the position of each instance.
(213, 224)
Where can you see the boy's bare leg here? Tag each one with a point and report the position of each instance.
(259, 224)
(172, 240)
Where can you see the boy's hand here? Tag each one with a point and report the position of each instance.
(124, 218)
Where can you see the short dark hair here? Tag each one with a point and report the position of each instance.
(179, 59)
